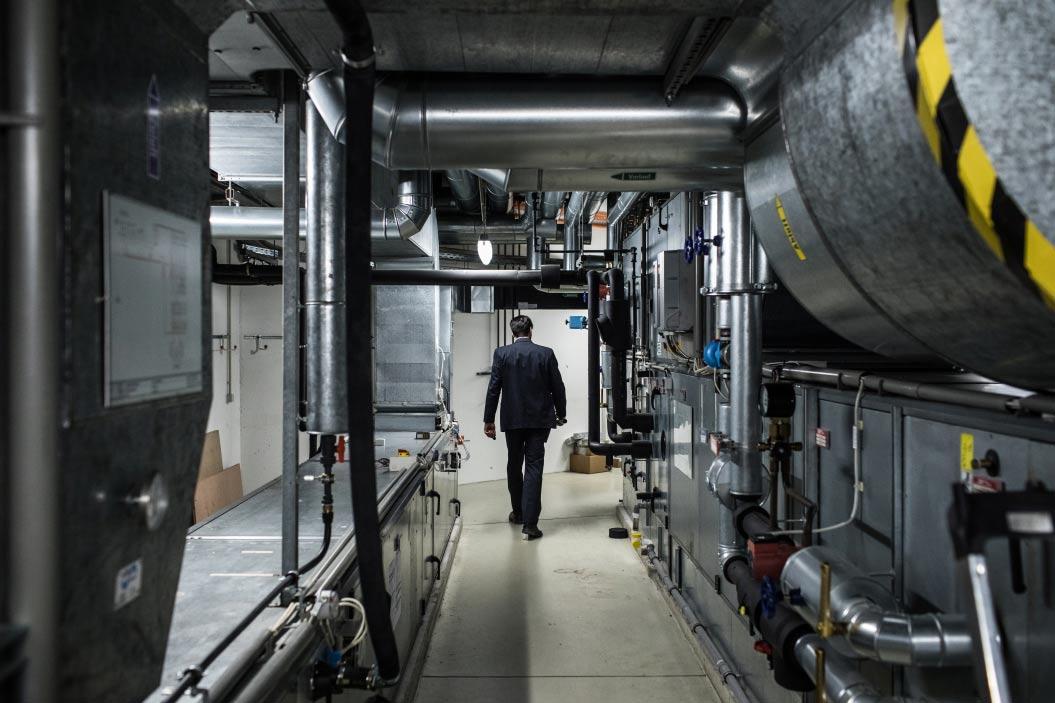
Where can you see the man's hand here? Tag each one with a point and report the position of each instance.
(489, 429)
(561, 421)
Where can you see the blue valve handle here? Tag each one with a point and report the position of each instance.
(689, 250)
(771, 595)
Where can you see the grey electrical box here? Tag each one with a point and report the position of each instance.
(153, 301)
(675, 282)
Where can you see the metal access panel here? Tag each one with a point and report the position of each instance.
(134, 122)
(675, 282)
(153, 298)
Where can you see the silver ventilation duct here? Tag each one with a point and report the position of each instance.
(404, 214)
(465, 186)
(578, 214)
(616, 213)
(623, 126)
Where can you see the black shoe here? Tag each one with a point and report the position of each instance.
(516, 519)
(532, 532)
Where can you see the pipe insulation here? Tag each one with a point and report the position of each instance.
(875, 626)
(325, 290)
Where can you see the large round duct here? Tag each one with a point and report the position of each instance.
(891, 202)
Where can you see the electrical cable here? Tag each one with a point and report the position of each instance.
(858, 487)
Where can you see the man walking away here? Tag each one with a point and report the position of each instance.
(527, 377)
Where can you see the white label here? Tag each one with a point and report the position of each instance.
(1030, 522)
(128, 584)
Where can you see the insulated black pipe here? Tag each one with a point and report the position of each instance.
(621, 341)
(776, 622)
(357, 53)
(638, 448)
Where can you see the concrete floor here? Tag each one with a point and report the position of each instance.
(571, 617)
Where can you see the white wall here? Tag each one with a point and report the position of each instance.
(261, 387)
(223, 415)
(474, 343)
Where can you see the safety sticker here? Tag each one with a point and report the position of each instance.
(788, 232)
(966, 451)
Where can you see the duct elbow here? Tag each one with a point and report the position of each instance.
(910, 640)
(412, 207)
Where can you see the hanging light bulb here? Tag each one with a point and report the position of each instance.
(484, 249)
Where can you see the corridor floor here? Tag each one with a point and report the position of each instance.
(571, 617)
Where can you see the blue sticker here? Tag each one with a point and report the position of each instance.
(154, 129)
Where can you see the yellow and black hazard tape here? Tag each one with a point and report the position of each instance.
(1012, 236)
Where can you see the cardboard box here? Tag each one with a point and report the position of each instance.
(588, 463)
(216, 491)
(217, 487)
(211, 457)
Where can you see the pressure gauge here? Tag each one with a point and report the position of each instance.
(777, 400)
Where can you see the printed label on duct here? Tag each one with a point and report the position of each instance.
(823, 437)
(966, 451)
(129, 584)
(635, 176)
(153, 129)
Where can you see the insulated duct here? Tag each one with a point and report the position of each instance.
(875, 627)
(963, 154)
(578, 216)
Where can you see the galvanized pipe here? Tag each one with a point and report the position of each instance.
(745, 377)
(324, 294)
(572, 242)
(34, 162)
(291, 96)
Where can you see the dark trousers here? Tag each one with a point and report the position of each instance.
(527, 450)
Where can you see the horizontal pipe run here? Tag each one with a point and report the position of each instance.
(839, 378)
(843, 682)
(549, 276)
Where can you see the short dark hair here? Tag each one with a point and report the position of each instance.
(521, 325)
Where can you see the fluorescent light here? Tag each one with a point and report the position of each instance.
(484, 249)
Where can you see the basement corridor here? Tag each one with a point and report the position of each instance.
(571, 617)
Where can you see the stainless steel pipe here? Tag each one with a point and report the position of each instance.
(843, 683)
(324, 289)
(619, 210)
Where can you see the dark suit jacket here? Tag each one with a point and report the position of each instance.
(528, 376)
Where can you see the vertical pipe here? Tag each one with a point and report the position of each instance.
(34, 278)
(745, 376)
(229, 398)
(324, 300)
(290, 314)
(700, 302)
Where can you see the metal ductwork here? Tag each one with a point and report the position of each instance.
(578, 215)
(324, 281)
(619, 210)
(936, 239)
(403, 209)
(875, 627)
(465, 187)
(621, 126)
(841, 680)
(409, 207)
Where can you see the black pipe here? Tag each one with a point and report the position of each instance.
(1039, 404)
(357, 53)
(637, 448)
(779, 625)
(615, 324)
(328, 458)
(548, 276)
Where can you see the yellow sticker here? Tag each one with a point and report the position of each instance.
(966, 451)
(788, 232)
